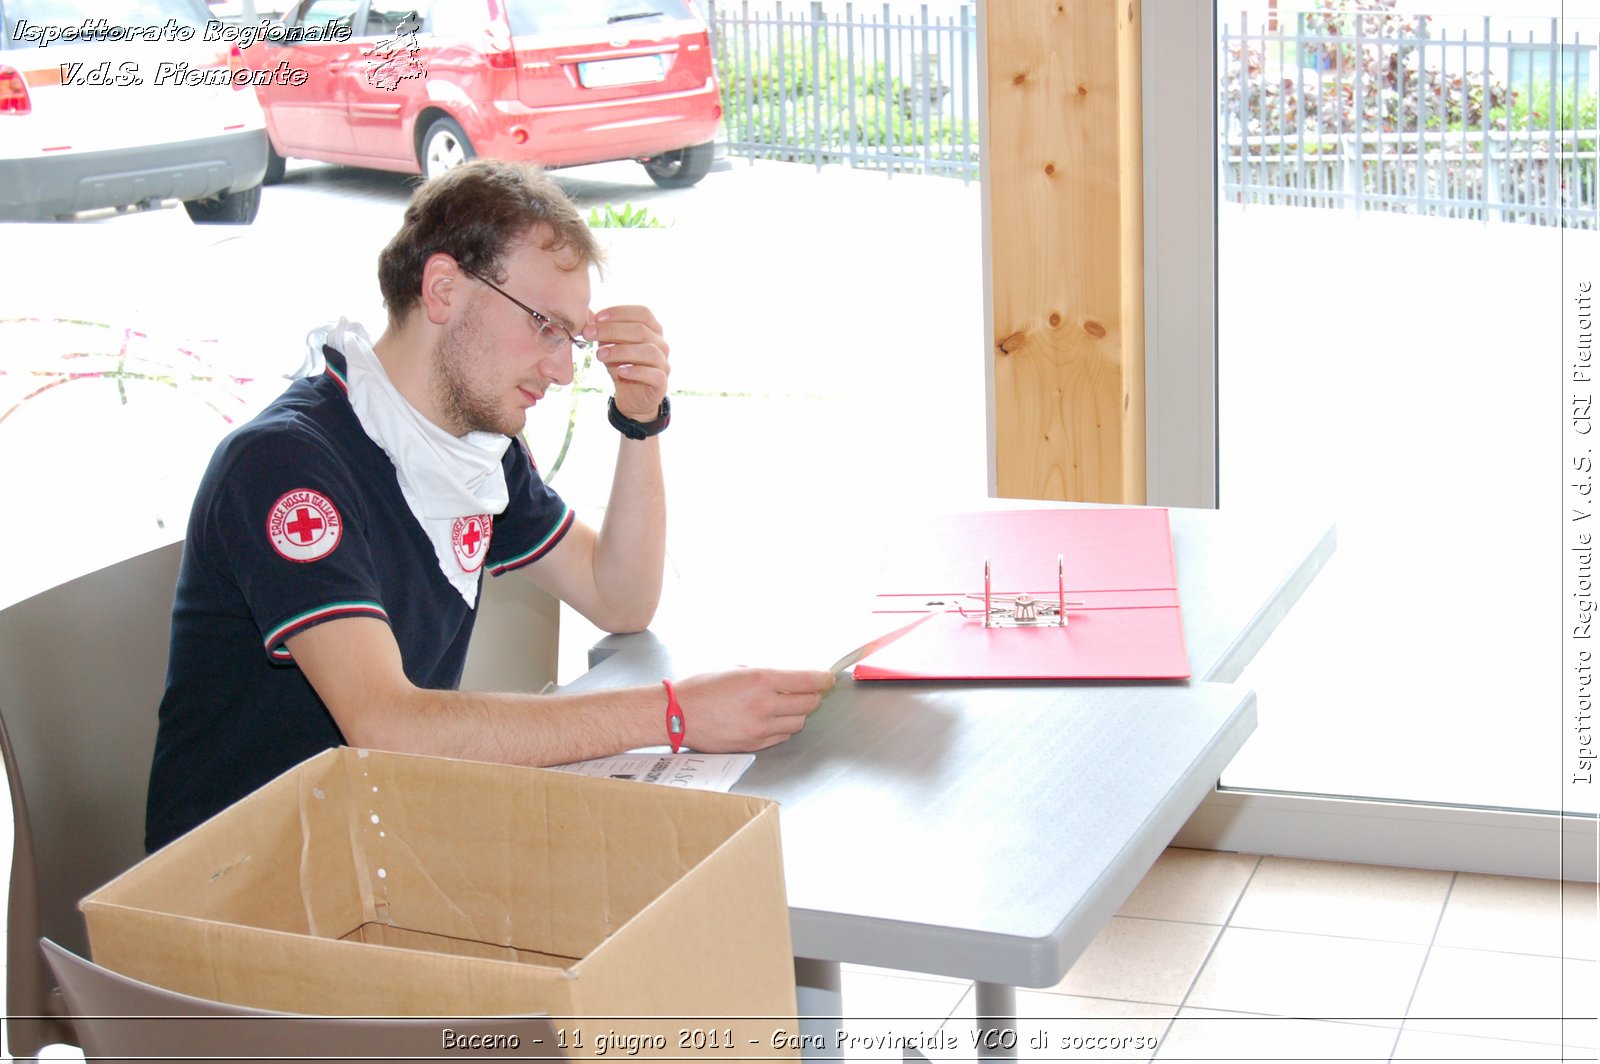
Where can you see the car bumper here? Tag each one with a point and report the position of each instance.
(47, 186)
(590, 133)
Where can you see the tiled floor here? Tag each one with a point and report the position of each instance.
(1228, 957)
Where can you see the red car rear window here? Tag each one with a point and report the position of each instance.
(550, 16)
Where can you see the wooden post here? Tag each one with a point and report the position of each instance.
(1065, 249)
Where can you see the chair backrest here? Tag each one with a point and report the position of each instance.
(82, 668)
(117, 1018)
(515, 640)
(81, 671)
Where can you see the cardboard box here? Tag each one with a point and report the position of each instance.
(367, 883)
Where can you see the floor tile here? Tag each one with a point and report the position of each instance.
(1198, 886)
(1054, 1026)
(1510, 914)
(879, 993)
(1209, 1034)
(1514, 996)
(1429, 1045)
(885, 1011)
(1333, 898)
(1140, 960)
(1280, 973)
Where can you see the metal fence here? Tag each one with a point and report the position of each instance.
(1382, 113)
(1371, 111)
(866, 87)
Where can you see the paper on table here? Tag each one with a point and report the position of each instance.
(705, 772)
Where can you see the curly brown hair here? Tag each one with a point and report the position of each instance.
(474, 213)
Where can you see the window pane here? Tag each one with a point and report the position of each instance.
(1399, 199)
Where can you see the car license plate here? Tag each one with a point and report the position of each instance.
(602, 73)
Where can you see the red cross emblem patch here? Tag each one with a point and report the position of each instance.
(304, 525)
(470, 538)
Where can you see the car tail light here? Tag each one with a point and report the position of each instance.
(14, 98)
(501, 50)
(236, 63)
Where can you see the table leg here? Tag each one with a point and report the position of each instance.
(997, 1021)
(819, 993)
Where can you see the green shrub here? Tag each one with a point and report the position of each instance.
(629, 217)
(803, 101)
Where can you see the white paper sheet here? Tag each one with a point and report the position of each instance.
(707, 772)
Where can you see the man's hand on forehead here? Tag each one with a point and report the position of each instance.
(635, 354)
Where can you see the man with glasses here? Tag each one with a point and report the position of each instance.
(338, 541)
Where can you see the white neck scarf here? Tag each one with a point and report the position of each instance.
(453, 484)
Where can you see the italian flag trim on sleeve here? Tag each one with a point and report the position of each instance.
(274, 641)
(541, 549)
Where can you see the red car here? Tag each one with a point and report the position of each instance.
(419, 87)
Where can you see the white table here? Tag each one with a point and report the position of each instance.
(989, 831)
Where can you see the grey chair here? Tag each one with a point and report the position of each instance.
(118, 1018)
(81, 672)
(82, 668)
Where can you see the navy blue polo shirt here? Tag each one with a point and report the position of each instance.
(298, 520)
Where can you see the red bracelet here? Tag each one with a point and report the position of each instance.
(675, 727)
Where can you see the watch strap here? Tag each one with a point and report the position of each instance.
(676, 727)
(638, 430)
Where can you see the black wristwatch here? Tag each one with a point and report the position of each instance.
(638, 430)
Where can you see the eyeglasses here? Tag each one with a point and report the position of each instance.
(553, 336)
